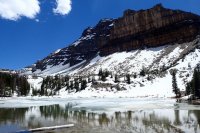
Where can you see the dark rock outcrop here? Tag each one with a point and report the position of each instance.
(151, 28)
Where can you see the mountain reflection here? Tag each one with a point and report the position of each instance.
(129, 121)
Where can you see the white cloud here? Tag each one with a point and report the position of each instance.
(63, 7)
(14, 9)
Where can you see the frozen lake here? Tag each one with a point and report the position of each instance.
(95, 115)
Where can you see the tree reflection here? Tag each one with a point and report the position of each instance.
(197, 117)
(12, 115)
(52, 111)
(103, 120)
(177, 118)
(156, 123)
(136, 121)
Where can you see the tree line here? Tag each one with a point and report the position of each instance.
(103, 74)
(13, 83)
(10, 83)
(52, 84)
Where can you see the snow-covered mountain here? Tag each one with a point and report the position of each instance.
(155, 41)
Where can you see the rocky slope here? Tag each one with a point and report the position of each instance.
(141, 29)
(85, 48)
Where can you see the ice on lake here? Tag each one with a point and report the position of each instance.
(110, 115)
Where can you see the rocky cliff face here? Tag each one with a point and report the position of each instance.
(151, 28)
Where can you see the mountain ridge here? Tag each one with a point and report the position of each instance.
(101, 39)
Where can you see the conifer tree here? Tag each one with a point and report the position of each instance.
(67, 85)
(111, 75)
(12, 82)
(128, 78)
(42, 89)
(76, 85)
(142, 72)
(188, 90)
(106, 73)
(59, 85)
(2, 87)
(83, 84)
(71, 85)
(103, 76)
(193, 87)
(100, 72)
(174, 84)
(116, 78)
(134, 75)
(196, 83)
(93, 80)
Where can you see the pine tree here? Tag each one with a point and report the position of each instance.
(66, 78)
(13, 85)
(106, 73)
(76, 85)
(116, 78)
(59, 85)
(111, 75)
(2, 88)
(13, 82)
(174, 84)
(196, 83)
(34, 92)
(118, 87)
(128, 78)
(103, 77)
(188, 90)
(134, 75)
(23, 86)
(71, 85)
(193, 87)
(100, 72)
(83, 84)
(142, 72)
(93, 80)
(42, 89)
(67, 85)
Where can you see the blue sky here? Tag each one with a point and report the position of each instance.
(26, 39)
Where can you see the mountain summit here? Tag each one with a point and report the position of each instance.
(135, 30)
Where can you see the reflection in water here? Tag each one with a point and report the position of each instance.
(196, 120)
(156, 120)
(8, 116)
(103, 119)
(177, 119)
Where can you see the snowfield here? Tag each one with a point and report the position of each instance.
(182, 57)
